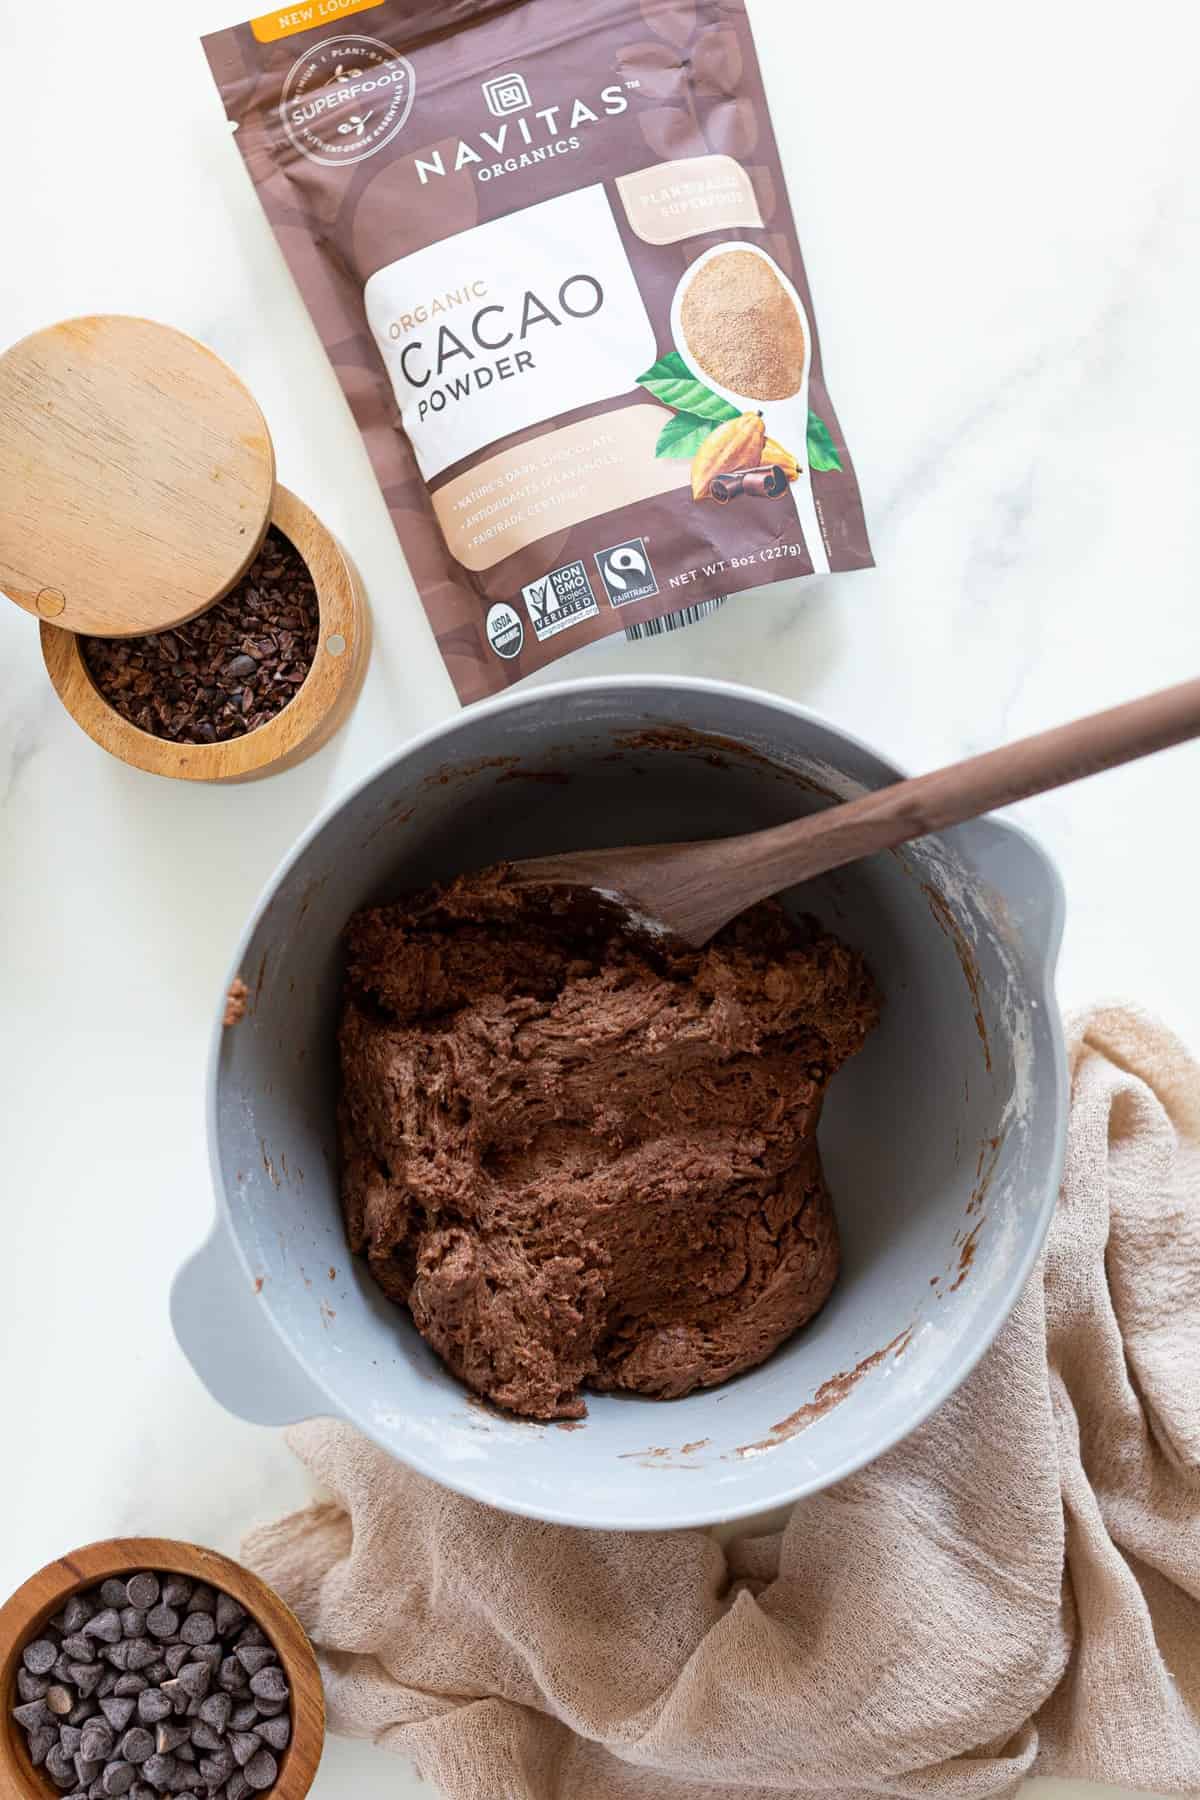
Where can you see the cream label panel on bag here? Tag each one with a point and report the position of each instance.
(512, 322)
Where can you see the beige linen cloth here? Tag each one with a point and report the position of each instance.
(1015, 1589)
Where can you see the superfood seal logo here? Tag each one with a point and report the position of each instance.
(346, 98)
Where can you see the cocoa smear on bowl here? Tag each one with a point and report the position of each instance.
(226, 672)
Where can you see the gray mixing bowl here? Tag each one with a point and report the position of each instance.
(942, 1141)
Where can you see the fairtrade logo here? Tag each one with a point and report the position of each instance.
(345, 99)
(506, 94)
(626, 572)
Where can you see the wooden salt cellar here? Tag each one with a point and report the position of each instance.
(47, 1592)
(139, 477)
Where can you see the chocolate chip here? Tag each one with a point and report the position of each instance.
(118, 1778)
(261, 1770)
(244, 1745)
(86, 1769)
(138, 1744)
(131, 1684)
(231, 1675)
(105, 1627)
(198, 1628)
(275, 1732)
(71, 1738)
(244, 1717)
(218, 1767)
(253, 1634)
(82, 1710)
(96, 1740)
(237, 1786)
(141, 1790)
(270, 1709)
(153, 1705)
(269, 1684)
(62, 1668)
(86, 1677)
(229, 1614)
(159, 1771)
(108, 1682)
(157, 1672)
(195, 1679)
(32, 1714)
(78, 1647)
(142, 1591)
(41, 1742)
(112, 1593)
(162, 1622)
(40, 1656)
(178, 1698)
(166, 1738)
(77, 1612)
(216, 1711)
(176, 1656)
(118, 1712)
(117, 1655)
(206, 1737)
(254, 1657)
(133, 1621)
(140, 1654)
(60, 1767)
(177, 1590)
(31, 1687)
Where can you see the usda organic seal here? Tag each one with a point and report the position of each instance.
(506, 633)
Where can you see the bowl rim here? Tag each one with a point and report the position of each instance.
(42, 1594)
(1042, 965)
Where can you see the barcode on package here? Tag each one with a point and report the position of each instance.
(687, 615)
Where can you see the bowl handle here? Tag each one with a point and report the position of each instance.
(223, 1331)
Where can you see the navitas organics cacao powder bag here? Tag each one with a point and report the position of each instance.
(548, 246)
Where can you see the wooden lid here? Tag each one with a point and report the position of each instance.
(137, 475)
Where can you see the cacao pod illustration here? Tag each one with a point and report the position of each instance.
(783, 459)
(738, 444)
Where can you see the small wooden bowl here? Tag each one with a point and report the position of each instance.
(308, 720)
(44, 1594)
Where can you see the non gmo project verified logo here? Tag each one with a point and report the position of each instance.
(559, 599)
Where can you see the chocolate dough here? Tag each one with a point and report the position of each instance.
(581, 1160)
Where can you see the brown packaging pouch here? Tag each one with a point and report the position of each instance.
(549, 250)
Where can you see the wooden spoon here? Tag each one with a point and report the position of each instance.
(690, 890)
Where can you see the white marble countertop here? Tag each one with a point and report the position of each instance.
(1000, 218)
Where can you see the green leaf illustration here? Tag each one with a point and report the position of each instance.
(671, 381)
(822, 451)
(683, 434)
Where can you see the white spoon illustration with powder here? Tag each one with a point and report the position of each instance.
(754, 343)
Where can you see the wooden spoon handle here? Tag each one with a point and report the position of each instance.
(785, 854)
